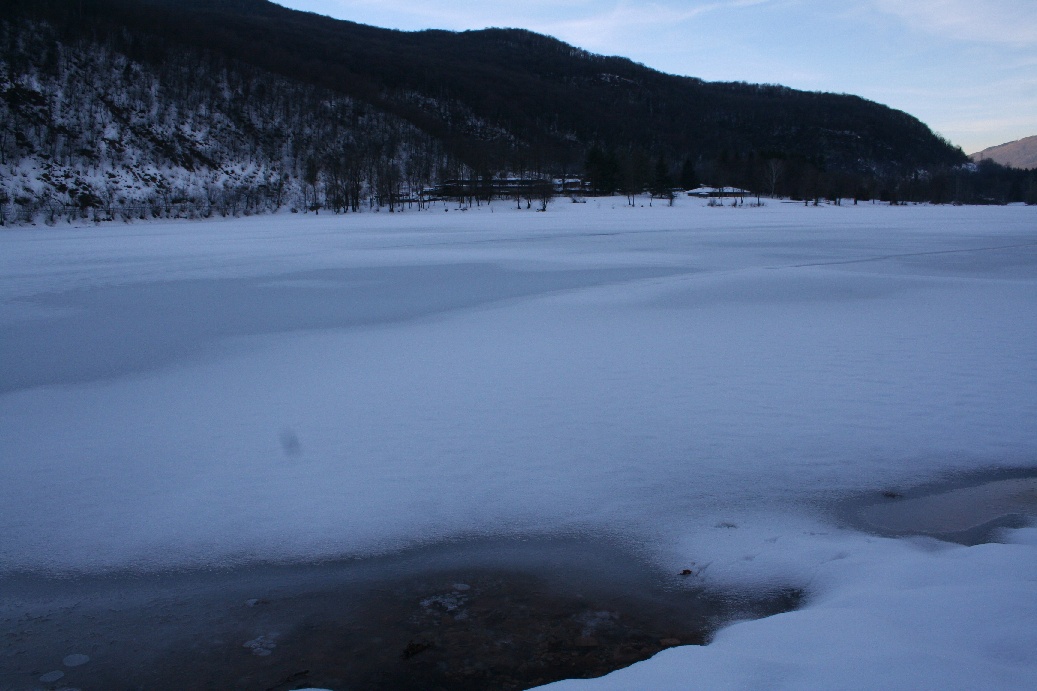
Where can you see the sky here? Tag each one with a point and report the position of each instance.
(967, 68)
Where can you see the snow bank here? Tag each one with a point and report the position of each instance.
(893, 615)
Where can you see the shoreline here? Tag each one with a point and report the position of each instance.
(510, 613)
(506, 613)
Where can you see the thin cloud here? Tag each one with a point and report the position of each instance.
(1010, 22)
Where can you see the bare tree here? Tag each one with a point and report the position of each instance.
(772, 173)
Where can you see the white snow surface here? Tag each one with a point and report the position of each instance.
(697, 381)
(896, 616)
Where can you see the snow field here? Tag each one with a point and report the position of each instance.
(698, 381)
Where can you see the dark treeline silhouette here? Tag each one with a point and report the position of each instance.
(145, 108)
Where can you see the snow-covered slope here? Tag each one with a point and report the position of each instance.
(89, 133)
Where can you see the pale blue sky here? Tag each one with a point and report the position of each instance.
(967, 68)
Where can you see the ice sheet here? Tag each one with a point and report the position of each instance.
(651, 372)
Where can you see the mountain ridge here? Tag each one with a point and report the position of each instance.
(1021, 153)
(537, 86)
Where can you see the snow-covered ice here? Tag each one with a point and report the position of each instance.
(698, 381)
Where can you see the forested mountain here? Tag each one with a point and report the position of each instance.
(145, 108)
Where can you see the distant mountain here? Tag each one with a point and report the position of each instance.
(160, 108)
(1021, 153)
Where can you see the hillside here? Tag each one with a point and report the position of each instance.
(155, 108)
(1021, 153)
(535, 90)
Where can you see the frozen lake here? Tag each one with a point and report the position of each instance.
(697, 383)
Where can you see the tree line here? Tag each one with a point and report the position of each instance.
(103, 116)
